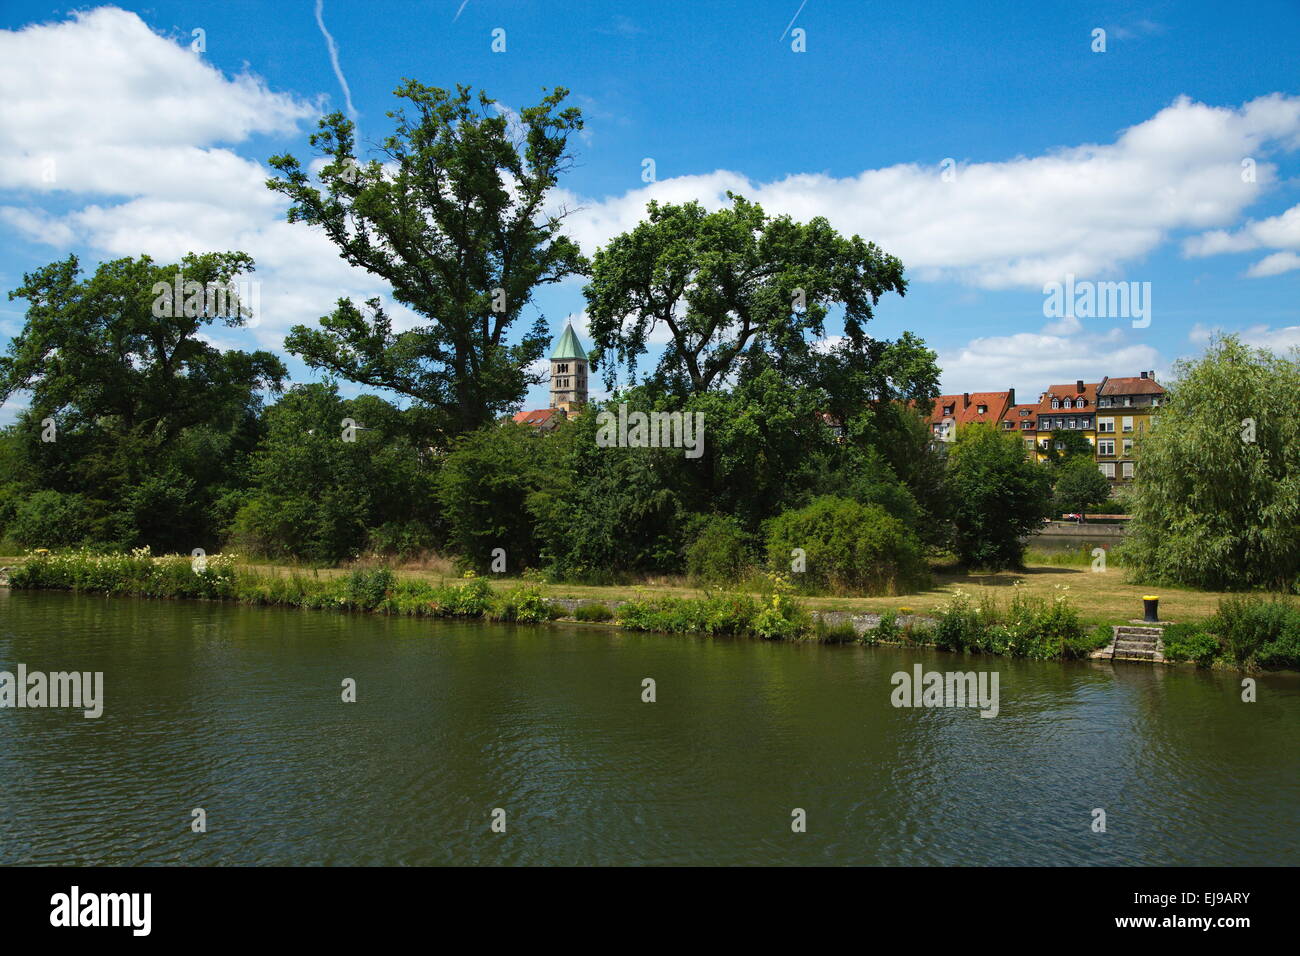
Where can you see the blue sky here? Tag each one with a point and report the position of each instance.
(1125, 165)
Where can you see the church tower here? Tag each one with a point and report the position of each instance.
(568, 373)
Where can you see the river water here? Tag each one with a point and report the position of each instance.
(238, 711)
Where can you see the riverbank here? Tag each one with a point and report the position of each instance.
(1008, 615)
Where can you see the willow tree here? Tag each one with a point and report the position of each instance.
(454, 217)
(729, 284)
(1216, 495)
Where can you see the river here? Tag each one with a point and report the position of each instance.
(238, 711)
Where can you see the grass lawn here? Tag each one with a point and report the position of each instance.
(1101, 597)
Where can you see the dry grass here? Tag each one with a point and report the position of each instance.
(1102, 598)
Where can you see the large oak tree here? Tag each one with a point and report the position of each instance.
(454, 217)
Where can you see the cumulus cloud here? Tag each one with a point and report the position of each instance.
(1091, 210)
(1059, 352)
(1280, 340)
(1280, 232)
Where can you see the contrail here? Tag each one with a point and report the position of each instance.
(787, 26)
(334, 59)
(462, 7)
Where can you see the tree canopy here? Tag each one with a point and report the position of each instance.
(455, 219)
(729, 284)
(1216, 496)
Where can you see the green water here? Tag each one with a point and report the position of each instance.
(238, 711)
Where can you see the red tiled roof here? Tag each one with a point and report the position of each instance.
(1071, 392)
(1017, 420)
(1132, 386)
(540, 416)
(963, 414)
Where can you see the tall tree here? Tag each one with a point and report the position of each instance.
(455, 219)
(149, 423)
(721, 283)
(997, 497)
(1216, 495)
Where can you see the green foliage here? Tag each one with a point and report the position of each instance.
(720, 553)
(841, 632)
(850, 548)
(1065, 447)
(50, 519)
(452, 213)
(998, 496)
(778, 617)
(593, 613)
(728, 283)
(485, 485)
(1080, 486)
(150, 424)
(139, 572)
(1190, 642)
(887, 628)
(1255, 630)
(526, 604)
(1216, 497)
(367, 588)
(322, 490)
(1025, 627)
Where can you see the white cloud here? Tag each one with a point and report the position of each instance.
(1059, 352)
(1280, 232)
(1261, 336)
(1093, 210)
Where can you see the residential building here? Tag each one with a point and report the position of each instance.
(1022, 419)
(951, 412)
(1125, 407)
(1067, 408)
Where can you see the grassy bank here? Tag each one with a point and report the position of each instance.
(1031, 613)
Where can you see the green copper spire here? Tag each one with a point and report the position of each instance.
(568, 347)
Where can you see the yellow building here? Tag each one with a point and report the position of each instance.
(1067, 408)
(1125, 407)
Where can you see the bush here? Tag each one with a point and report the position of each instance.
(594, 613)
(888, 628)
(526, 604)
(50, 519)
(367, 588)
(1254, 630)
(848, 547)
(841, 632)
(719, 553)
(1190, 642)
(781, 617)
(1027, 627)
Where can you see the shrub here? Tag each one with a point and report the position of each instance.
(592, 612)
(526, 604)
(841, 632)
(1190, 642)
(888, 628)
(719, 553)
(1027, 627)
(50, 519)
(781, 617)
(367, 588)
(848, 547)
(1252, 629)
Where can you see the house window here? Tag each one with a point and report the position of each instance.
(947, 410)
(1087, 422)
(1106, 447)
(1106, 425)
(1128, 447)
(1127, 423)
(1074, 423)
(1008, 425)
(1128, 469)
(1024, 413)
(1056, 403)
(981, 409)
(1107, 468)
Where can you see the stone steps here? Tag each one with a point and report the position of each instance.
(1131, 642)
